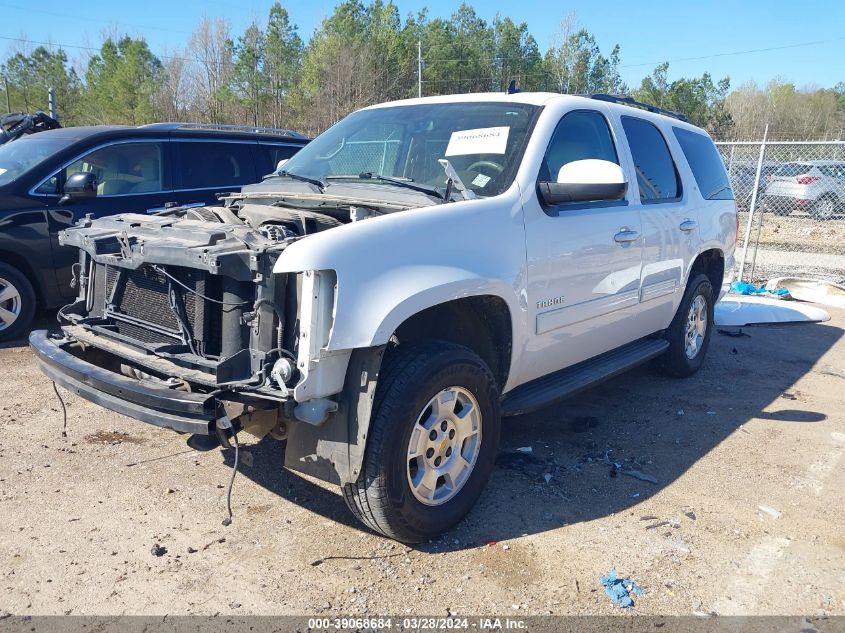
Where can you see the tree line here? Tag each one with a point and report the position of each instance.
(368, 53)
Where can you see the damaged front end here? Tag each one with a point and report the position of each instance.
(180, 322)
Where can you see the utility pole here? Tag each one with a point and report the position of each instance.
(419, 68)
(8, 98)
(51, 103)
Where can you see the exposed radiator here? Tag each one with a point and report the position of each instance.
(141, 306)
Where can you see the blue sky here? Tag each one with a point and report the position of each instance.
(805, 42)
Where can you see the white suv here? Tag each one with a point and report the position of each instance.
(419, 270)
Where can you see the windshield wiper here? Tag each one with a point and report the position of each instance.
(313, 181)
(408, 184)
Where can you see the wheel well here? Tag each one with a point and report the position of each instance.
(712, 264)
(483, 324)
(13, 259)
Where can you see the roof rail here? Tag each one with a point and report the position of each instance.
(630, 101)
(226, 127)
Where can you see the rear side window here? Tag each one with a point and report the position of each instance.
(793, 169)
(657, 177)
(706, 165)
(204, 165)
(834, 171)
(270, 155)
(580, 135)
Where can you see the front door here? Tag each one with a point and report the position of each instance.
(584, 260)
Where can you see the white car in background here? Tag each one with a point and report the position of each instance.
(817, 187)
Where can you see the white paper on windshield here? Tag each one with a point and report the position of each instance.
(481, 180)
(484, 140)
(3, 171)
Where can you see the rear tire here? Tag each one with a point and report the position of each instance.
(824, 208)
(409, 438)
(689, 333)
(17, 303)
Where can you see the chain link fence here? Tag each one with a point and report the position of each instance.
(791, 200)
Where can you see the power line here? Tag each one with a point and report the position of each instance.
(92, 49)
(745, 52)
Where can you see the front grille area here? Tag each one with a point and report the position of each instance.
(139, 302)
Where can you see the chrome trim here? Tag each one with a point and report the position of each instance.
(658, 289)
(242, 141)
(570, 315)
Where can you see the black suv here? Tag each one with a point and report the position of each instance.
(50, 180)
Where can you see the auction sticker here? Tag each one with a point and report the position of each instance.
(484, 140)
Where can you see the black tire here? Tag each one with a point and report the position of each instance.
(824, 208)
(411, 375)
(675, 361)
(23, 305)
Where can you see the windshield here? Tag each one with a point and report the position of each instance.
(484, 142)
(18, 157)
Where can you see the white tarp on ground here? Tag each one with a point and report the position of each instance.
(814, 290)
(737, 311)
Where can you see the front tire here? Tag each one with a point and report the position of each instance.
(17, 303)
(432, 441)
(689, 333)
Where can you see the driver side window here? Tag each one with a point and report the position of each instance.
(580, 135)
(125, 168)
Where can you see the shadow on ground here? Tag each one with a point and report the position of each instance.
(581, 449)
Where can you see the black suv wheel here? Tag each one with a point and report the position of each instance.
(17, 303)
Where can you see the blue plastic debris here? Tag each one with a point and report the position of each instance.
(742, 288)
(619, 589)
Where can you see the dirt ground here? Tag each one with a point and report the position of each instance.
(798, 232)
(761, 426)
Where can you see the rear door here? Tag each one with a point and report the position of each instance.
(133, 176)
(584, 259)
(670, 234)
(207, 167)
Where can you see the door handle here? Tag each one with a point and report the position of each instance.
(626, 235)
(688, 225)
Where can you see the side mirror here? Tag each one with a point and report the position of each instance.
(280, 164)
(79, 186)
(589, 180)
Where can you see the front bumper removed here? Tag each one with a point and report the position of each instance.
(160, 406)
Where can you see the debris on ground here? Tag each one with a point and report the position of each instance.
(743, 288)
(734, 333)
(737, 311)
(525, 449)
(775, 514)
(158, 550)
(813, 290)
(526, 463)
(583, 423)
(638, 474)
(620, 589)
